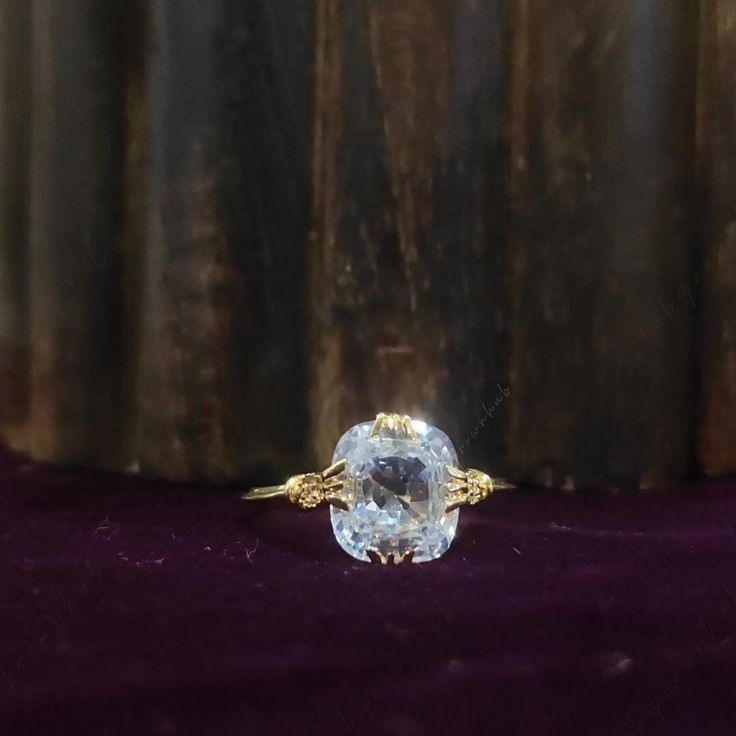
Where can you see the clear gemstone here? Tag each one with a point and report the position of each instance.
(395, 488)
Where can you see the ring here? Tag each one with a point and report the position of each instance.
(394, 490)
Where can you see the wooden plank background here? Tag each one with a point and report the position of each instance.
(601, 239)
(221, 385)
(230, 230)
(407, 255)
(74, 258)
(715, 277)
(15, 91)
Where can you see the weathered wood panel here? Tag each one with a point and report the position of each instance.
(220, 382)
(14, 182)
(603, 130)
(407, 254)
(75, 219)
(502, 236)
(716, 275)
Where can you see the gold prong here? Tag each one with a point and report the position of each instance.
(336, 500)
(454, 505)
(408, 556)
(376, 557)
(399, 423)
(456, 472)
(334, 469)
(334, 486)
(380, 422)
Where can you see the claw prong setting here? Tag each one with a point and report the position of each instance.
(455, 472)
(334, 469)
(408, 556)
(468, 487)
(397, 558)
(309, 490)
(376, 557)
(398, 424)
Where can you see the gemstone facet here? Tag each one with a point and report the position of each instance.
(395, 482)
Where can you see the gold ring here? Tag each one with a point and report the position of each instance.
(394, 489)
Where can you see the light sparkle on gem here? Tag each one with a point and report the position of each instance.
(395, 488)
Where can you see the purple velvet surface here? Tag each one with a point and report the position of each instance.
(130, 607)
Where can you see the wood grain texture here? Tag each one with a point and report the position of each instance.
(716, 275)
(407, 254)
(133, 226)
(502, 237)
(75, 218)
(14, 184)
(220, 379)
(603, 130)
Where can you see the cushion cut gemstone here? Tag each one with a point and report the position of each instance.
(395, 490)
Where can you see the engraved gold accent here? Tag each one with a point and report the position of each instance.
(397, 423)
(470, 487)
(307, 490)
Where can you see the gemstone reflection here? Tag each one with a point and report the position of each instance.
(395, 491)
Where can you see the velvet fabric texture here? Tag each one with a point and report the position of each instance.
(130, 607)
